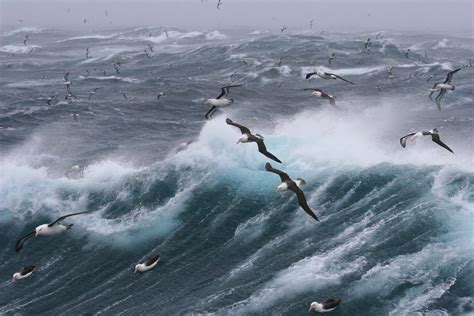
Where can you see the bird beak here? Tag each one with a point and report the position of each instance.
(310, 309)
(36, 233)
(238, 141)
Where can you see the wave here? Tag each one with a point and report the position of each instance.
(27, 29)
(18, 49)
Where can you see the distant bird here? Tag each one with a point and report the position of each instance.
(326, 306)
(70, 96)
(24, 273)
(93, 92)
(53, 228)
(50, 99)
(219, 3)
(88, 53)
(284, 28)
(379, 88)
(327, 76)
(106, 13)
(150, 47)
(333, 56)
(147, 54)
(20, 20)
(26, 39)
(166, 33)
(123, 95)
(442, 87)
(160, 95)
(434, 137)
(220, 101)
(280, 61)
(67, 83)
(293, 185)
(407, 52)
(367, 45)
(75, 116)
(31, 50)
(149, 263)
(311, 24)
(248, 137)
(390, 73)
(84, 21)
(280, 83)
(321, 94)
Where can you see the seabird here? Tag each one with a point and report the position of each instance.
(311, 24)
(106, 13)
(75, 116)
(220, 101)
(24, 273)
(326, 306)
(367, 45)
(51, 99)
(293, 185)
(87, 53)
(166, 33)
(407, 52)
(390, 73)
(84, 21)
(70, 96)
(67, 82)
(150, 47)
(326, 75)
(93, 92)
(50, 229)
(280, 61)
(31, 50)
(26, 39)
(442, 87)
(333, 55)
(321, 94)
(434, 137)
(149, 263)
(160, 95)
(248, 137)
(147, 54)
(123, 94)
(284, 28)
(219, 3)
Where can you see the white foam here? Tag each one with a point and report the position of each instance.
(215, 35)
(27, 29)
(18, 49)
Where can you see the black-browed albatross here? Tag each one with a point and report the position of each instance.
(327, 76)
(220, 101)
(326, 306)
(442, 87)
(434, 137)
(24, 273)
(294, 185)
(148, 264)
(53, 228)
(320, 93)
(248, 137)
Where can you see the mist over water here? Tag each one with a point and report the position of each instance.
(396, 232)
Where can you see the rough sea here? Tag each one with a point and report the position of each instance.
(396, 235)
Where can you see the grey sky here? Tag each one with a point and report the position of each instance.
(426, 16)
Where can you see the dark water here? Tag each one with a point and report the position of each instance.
(396, 230)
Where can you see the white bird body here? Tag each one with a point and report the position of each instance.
(318, 307)
(445, 86)
(325, 307)
(45, 230)
(221, 102)
(284, 185)
(243, 139)
(317, 93)
(145, 266)
(18, 276)
(324, 75)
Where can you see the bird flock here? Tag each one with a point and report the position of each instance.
(223, 100)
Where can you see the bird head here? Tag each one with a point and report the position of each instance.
(136, 268)
(312, 306)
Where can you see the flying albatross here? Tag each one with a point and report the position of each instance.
(434, 137)
(248, 137)
(326, 306)
(50, 229)
(320, 93)
(442, 87)
(293, 185)
(326, 75)
(24, 273)
(149, 263)
(220, 101)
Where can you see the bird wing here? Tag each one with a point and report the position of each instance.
(310, 74)
(331, 303)
(263, 150)
(313, 89)
(437, 140)
(440, 96)
(66, 77)
(20, 242)
(223, 93)
(66, 216)
(302, 200)
(283, 176)
(339, 77)
(450, 75)
(149, 261)
(403, 140)
(243, 129)
(27, 270)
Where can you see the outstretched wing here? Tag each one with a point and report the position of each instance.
(331, 303)
(283, 176)
(263, 150)
(66, 216)
(27, 270)
(339, 77)
(66, 77)
(151, 260)
(433, 90)
(403, 140)
(20, 242)
(225, 90)
(302, 200)
(450, 75)
(437, 140)
(243, 129)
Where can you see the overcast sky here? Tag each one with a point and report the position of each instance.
(424, 16)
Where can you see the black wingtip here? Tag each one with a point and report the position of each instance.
(268, 166)
(228, 121)
(308, 76)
